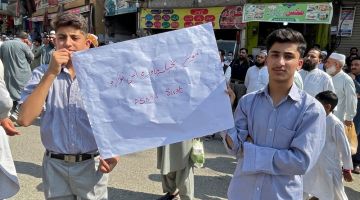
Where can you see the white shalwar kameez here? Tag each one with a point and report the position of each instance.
(256, 78)
(316, 81)
(347, 98)
(325, 180)
(9, 184)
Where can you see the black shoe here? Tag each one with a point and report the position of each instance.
(169, 196)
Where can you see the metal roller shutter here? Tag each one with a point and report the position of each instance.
(354, 40)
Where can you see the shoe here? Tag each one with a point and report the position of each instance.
(356, 170)
(169, 196)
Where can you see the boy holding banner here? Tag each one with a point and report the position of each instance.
(279, 131)
(72, 167)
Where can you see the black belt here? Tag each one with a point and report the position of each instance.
(72, 158)
(237, 81)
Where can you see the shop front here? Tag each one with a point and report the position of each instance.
(345, 29)
(120, 20)
(41, 19)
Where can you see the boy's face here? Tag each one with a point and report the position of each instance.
(71, 38)
(282, 62)
(327, 108)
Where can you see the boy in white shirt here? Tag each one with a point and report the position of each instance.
(324, 180)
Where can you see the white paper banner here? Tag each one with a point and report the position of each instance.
(153, 91)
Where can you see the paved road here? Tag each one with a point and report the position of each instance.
(136, 176)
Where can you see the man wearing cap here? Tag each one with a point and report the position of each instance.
(93, 40)
(315, 80)
(48, 48)
(344, 88)
(257, 76)
(16, 56)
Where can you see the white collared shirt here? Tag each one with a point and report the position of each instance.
(347, 98)
(316, 81)
(256, 78)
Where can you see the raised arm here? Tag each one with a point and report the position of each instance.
(35, 94)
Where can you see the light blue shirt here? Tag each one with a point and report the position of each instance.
(65, 127)
(288, 139)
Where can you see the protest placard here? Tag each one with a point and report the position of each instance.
(154, 90)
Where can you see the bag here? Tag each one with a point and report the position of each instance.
(352, 138)
(197, 153)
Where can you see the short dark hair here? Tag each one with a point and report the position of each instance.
(355, 58)
(286, 35)
(38, 40)
(316, 49)
(328, 97)
(68, 19)
(222, 52)
(354, 48)
(317, 46)
(23, 35)
(246, 50)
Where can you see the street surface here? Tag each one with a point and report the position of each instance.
(136, 176)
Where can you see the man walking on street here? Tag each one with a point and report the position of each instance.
(344, 89)
(16, 56)
(177, 170)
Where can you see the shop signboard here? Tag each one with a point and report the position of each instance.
(229, 17)
(346, 21)
(308, 13)
(53, 2)
(117, 7)
(79, 10)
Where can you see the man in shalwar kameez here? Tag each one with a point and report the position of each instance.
(315, 80)
(9, 184)
(344, 89)
(177, 171)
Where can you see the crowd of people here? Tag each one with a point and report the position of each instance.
(304, 98)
